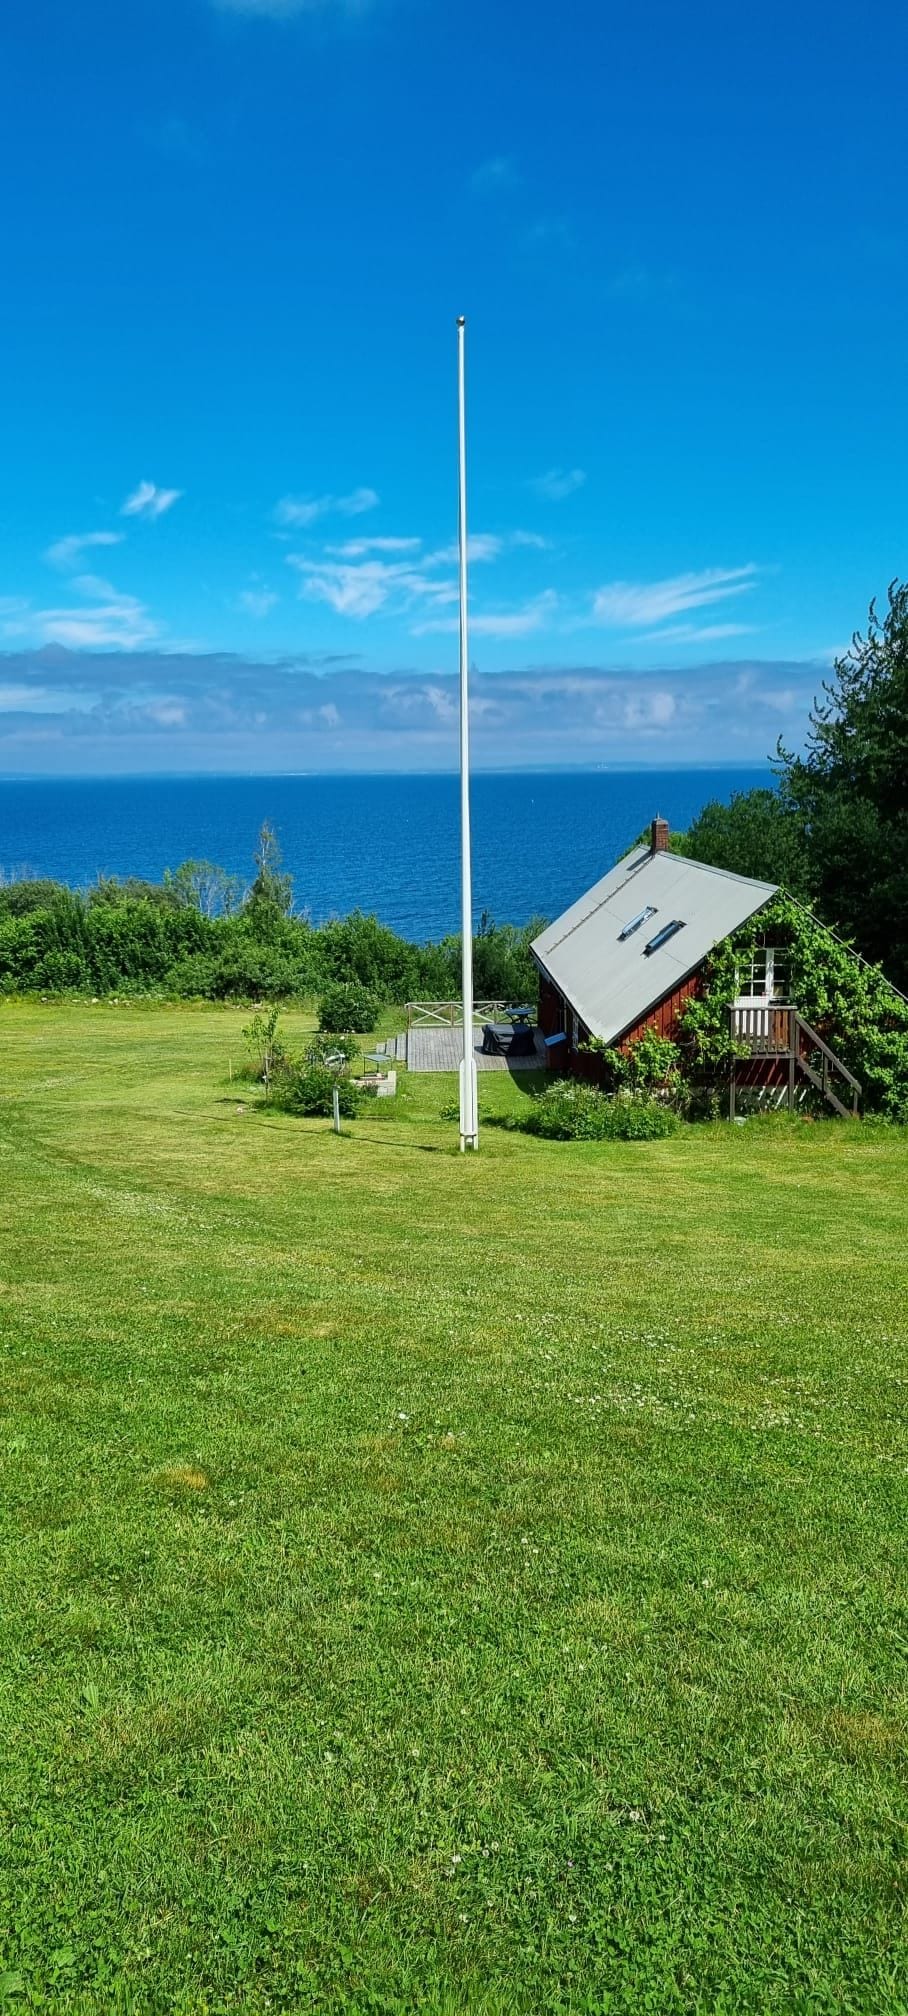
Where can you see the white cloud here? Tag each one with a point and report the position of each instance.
(480, 546)
(257, 601)
(302, 511)
(692, 633)
(358, 549)
(500, 623)
(557, 484)
(361, 590)
(165, 713)
(625, 605)
(361, 586)
(148, 501)
(67, 553)
(110, 619)
(123, 622)
(534, 540)
(649, 710)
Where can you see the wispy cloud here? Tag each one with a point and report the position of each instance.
(257, 601)
(359, 549)
(362, 589)
(67, 553)
(302, 511)
(149, 501)
(556, 484)
(361, 585)
(109, 619)
(480, 546)
(497, 623)
(692, 633)
(623, 605)
(499, 172)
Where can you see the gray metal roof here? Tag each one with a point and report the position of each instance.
(612, 986)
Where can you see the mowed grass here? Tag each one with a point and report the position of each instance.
(437, 1584)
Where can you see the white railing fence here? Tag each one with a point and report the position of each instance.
(449, 1014)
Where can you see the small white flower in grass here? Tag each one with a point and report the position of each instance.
(403, 1417)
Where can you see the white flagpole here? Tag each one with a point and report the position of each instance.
(469, 1105)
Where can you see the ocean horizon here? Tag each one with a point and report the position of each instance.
(382, 842)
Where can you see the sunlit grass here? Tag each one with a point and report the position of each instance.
(434, 1583)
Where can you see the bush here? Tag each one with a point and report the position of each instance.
(570, 1110)
(347, 1006)
(308, 1088)
(634, 1116)
(322, 1048)
(61, 972)
(191, 979)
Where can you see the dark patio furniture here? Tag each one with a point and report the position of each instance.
(523, 1041)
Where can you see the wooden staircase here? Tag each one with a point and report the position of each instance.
(779, 1033)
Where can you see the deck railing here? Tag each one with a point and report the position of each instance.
(449, 1014)
(776, 1029)
(766, 1028)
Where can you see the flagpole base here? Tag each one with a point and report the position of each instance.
(469, 1105)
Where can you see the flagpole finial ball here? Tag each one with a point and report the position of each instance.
(461, 321)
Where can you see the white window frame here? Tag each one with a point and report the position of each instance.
(763, 998)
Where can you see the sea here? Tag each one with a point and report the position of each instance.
(385, 844)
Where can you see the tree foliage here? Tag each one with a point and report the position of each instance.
(757, 833)
(849, 792)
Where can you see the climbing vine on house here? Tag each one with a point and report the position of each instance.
(850, 1004)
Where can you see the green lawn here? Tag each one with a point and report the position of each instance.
(441, 1584)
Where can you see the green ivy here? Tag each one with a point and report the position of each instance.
(850, 1004)
(649, 1063)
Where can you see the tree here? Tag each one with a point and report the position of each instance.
(758, 833)
(850, 790)
(272, 890)
(203, 886)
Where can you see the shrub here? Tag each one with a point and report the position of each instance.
(570, 1110)
(266, 1046)
(651, 1063)
(346, 1006)
(60, 972)
(308, 1088)
(192, 978)
(323, 1047)
(635, 1116)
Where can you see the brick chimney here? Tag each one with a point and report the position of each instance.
(659, 836)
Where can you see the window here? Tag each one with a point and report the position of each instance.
(764, 976)
(662, 937)
(642, 917)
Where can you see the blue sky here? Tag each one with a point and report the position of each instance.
(236, 237)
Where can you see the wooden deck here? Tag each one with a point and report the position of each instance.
(442, 1050)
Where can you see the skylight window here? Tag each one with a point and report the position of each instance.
(642, 917)
(662, 937)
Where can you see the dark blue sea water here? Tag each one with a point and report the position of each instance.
(384, 844)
